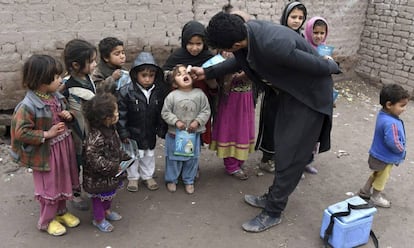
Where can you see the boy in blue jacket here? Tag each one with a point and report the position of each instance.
(388, 145)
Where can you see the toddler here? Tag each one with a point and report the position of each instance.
(140, 106)
(41, 141)
(102, 155)
(388, 145)
(185, 108)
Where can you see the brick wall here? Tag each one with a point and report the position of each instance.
(44, 26)
(387, 43)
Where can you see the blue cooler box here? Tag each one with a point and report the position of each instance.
(348, 231)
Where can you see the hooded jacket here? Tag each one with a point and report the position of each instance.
(139, 118)
(278, 56)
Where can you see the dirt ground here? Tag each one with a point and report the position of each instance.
(212, 217)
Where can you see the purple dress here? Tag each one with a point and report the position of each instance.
(56, 184)
(233, 126)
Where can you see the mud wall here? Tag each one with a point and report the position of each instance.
(44, 26)
(387, 43)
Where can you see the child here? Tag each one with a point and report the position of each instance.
(140, 106)
(41, 141)
(293, 16)
(185, 108)
(316, 31)
(103, 155)
(233, 136)
(109, 69)
(193, 51)
(80, 61)
(388, 145)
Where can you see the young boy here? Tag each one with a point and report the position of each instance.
(140, 104)
(388, 145)
(185, 108)
(109, 69)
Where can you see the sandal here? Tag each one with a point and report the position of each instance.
(240, 174)
(55, 228)
(113, 216)
(68, 219)
(189, 188)
(104, 226)
(151, 184)
(132, 186)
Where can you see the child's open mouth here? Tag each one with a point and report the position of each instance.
(186, 78)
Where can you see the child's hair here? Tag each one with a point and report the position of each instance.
(79, 51)
(40, 69)
(224, 30)
(320, 23)
(100, 107)
(175, 70)
(106, 46)
(392, 93)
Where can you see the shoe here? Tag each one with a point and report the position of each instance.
(256, 201)
(364, 194)
(310, 169)
(151, 184)
(172, 187)
(268, 166)
(380, 201)
(104, 226)
(132, 186)
(68, 219)
(189, 188)
(113, 216)
(261, 222)
(79, 203)
(55, 228)
(239, 174)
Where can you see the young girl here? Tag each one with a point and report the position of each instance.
(316, 31)
(80, 61)
(185, 108)
(233, 136)
(293, 16)
(102, 156)
(41, 141)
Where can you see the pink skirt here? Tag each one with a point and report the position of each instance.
(57, 184)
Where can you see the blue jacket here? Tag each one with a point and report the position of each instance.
(388, 144)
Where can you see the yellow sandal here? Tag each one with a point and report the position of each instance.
(55, 228)
(68, 219)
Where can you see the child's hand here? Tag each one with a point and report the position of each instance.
(65, 115)
(117, 74)
(193, 126)
(55, 130)
(180, 125)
